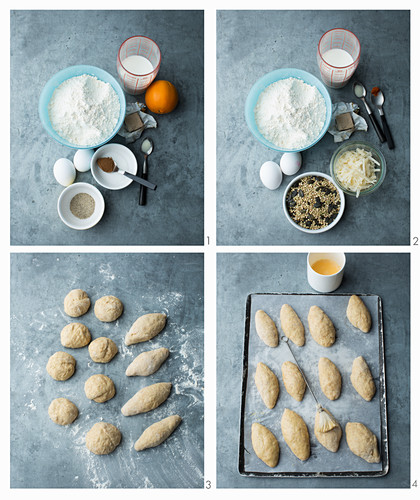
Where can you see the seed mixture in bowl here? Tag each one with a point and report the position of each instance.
(313, 202)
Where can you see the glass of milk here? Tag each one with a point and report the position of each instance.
(338, 56)
(138, 63)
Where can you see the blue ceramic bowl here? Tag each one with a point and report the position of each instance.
(64, 75)
(274, 76)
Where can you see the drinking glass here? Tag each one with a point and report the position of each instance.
(138, 46)
(333, 76)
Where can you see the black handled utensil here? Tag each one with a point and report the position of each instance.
(144, 182)
(377, 98)
(147, 149)
(360, 92)
(110, 166)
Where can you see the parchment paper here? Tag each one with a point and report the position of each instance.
(349, 407)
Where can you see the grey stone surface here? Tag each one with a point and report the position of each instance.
(43, 43)
(46, 455)
(241, 274)
(253, 43)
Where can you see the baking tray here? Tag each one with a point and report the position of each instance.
(349, 407)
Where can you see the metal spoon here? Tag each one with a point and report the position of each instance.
(377, 98)
(115, 168)
(360, 92)
(147, 149)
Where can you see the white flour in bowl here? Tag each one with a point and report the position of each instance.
(290, 113)
(84, 110)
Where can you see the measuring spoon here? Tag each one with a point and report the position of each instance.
(360, 92)
(377, 98)
(146, 149)
(111, 167)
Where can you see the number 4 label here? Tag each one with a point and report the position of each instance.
(414, 484)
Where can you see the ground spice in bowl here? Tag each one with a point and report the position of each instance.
(82, 205)
(106, 164)
(313, 202)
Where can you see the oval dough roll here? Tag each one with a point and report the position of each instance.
(362, 379)
(145, 328)
(147, 362)
(358, 314)
(329, 378)
(157, 433)
(265, 444)
(291, 325)
(362, 442)
(267, 385)
(147, 399)
(266, 329)
(296, 434)
(321, 327)
(293, 381)
(330, 439)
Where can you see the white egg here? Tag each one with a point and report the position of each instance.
(290, 163)
(82, 159)
(270, 175)
(64, 172)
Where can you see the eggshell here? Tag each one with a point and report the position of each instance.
(270, 175)
(290, 163)
(64, 172)
(82, 159)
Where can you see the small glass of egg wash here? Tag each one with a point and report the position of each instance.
(325, 271)
(138, 63)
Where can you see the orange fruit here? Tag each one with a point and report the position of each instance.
(161, 97)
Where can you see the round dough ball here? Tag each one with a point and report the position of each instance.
(76, 303)
(108, 308)
(62, 411)
(100, 388)
(103, 438)
(75, 335)
(102, 350)
(61, 365)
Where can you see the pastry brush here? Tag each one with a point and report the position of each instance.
(326, 422)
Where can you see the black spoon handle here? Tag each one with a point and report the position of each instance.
(376, 127)
(387, 132)
(143, 191)
(146, 183)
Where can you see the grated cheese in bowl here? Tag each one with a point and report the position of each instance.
(356, 169)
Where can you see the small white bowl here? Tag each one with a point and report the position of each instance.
(124, 159)
(304, 229)
(63, 206)
(325, 283)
